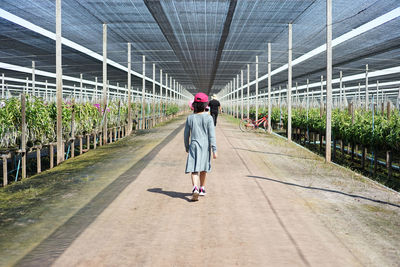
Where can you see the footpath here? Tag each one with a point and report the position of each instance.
(268, 203)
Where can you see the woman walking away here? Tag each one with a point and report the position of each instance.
(200, 128)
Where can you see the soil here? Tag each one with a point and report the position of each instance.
(268, 203)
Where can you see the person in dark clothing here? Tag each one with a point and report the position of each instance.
(215, 107)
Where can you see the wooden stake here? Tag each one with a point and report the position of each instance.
(5, 171)
(39, 166)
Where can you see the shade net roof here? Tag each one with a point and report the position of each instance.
(202, 44)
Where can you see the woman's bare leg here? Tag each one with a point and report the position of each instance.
(195, 179)
(203, 176)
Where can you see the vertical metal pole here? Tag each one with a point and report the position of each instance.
(2, 85)
(95, 89)
(170, 89)
(166, 91)
(366, 88)
(289, 90)
(256, 87)
(307, 97)
(161, 89)
(60, 143)
(27, 86)
(233, 96)
(359, 94)
(45, 90)
(237, 95)
(154, 95)
(248, 90)
(377, 94)
(241, 102)
(23, 135)
(33, 79)
(269, 89)
(81, 87)
(321, 102)
(328, 80)
(340, 90)
(143, 91)
(105, 133)
(129, 90)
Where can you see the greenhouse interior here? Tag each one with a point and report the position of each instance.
(117, 116)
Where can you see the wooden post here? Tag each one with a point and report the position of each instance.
(389, 163)
(5, 171)
(38, 159)
(60, 155)
(289, 90)
(80, 145)
(23, 136)
(88, 142)
(94, 140)
(51, 148)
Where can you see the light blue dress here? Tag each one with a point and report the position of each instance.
(200, 129)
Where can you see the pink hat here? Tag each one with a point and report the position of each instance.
(201, 97)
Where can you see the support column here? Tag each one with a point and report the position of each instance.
(289, 91)
(60, 143)
(81, 88)
(2, 85)
(340, 90)
(248, 90)
(269, 89)
(23, 135)
(95, 90)
(170, 89)
(154, 96)
(366, 88)
(166, 92)
(241, 102)
(161, 95)
(328, 80)
(143, 92)
(321, 103)
(105, 83)
(256, 87)
(129, 90)
(33, 79)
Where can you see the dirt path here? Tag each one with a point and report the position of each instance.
(268, 204)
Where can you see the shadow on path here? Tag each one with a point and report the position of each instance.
(327, 190)
(173, 194)
(46, 253)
